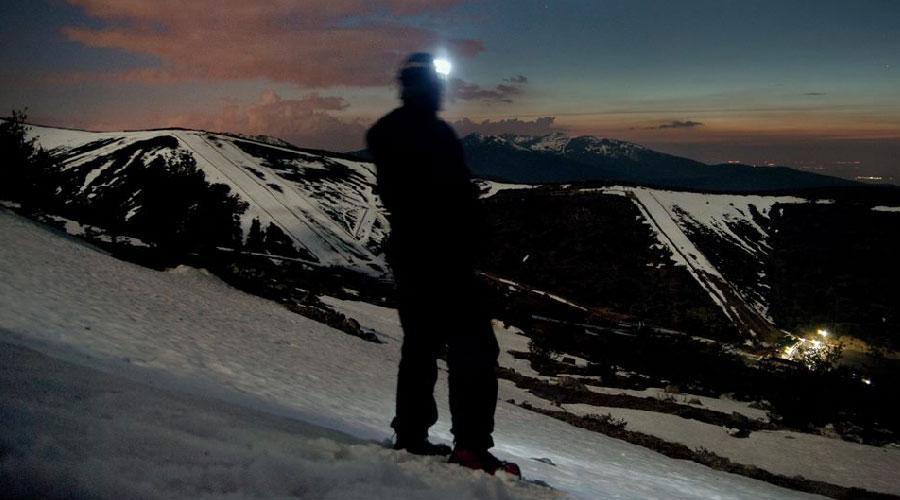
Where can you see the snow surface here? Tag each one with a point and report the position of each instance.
(76, 432)
(490, 188)
(511, 338)
(188, 331)
(782, 452)
(882, 208)
(555, 142)
(723, 404)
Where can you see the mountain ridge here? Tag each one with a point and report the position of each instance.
(557, 158)
(322, 209)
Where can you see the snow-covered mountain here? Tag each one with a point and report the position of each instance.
(558, 158)
(700, 261)
(323, 203)
(692, 226)
(561, 143)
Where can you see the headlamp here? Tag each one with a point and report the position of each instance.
(442, 67)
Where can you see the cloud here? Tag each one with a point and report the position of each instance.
(680, 124)
(313, 43)
(504, 92)
(539, 126)
(815, 93)
(518, 79)
(305, 122)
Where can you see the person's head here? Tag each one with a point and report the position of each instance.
(420, 84)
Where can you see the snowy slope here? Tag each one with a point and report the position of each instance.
(783, 452)
(324, 204)
(188, 331)
(71, 433)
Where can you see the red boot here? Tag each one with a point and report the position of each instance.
(482, 460)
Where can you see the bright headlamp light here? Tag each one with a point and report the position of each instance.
(442, 67)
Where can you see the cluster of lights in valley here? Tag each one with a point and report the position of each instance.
(805, 348)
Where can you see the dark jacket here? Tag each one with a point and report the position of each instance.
(426, 188)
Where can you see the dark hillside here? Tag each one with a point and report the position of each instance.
(837, 265)
(594, 249)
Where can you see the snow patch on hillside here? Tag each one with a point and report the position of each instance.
(490, 188)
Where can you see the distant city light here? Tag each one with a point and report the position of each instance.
(442, 66)
(867, 381)
(823, 332)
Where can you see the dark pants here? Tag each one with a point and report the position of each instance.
(440, 312)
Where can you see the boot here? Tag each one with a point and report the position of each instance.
(422, 447)
(482, 460)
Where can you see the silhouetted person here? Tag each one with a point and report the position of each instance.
(432, 206)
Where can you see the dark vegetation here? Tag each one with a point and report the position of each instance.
(798, 397)
(168, 203)
(573, 392)
(829, 265)
(25, 167)
(838, 265)
(588, 248)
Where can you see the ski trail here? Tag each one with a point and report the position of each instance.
(311, 211)
(313, 216)
(270, 197)
(238, 186)
(363, 229)
(682, 249)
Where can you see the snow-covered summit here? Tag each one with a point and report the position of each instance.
(561, 143)
(559, 158)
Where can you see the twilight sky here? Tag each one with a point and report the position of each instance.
(813, 84)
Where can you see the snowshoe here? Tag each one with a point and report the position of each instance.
(483, 460)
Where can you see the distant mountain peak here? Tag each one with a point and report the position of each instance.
(562, 144)
(559, 158)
